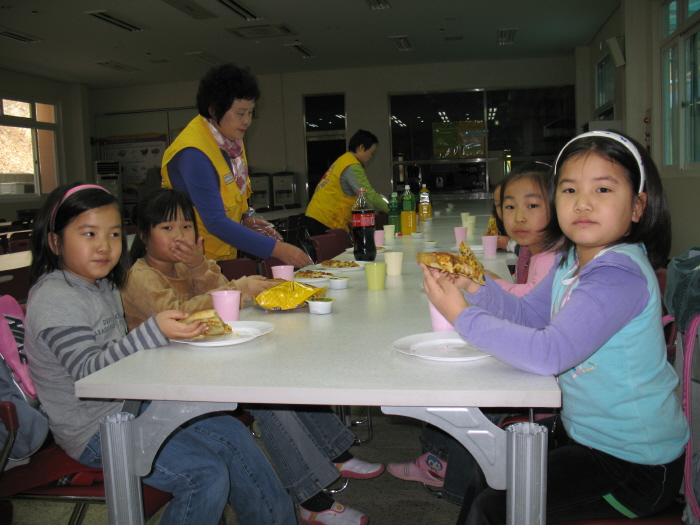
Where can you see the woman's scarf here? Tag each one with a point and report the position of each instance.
(234, 149)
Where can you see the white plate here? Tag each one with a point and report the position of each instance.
(439, 346)
(380, 249)
(338, 270)
(243, 331)
(316, 281)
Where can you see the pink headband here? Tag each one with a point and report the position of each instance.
(68, 194)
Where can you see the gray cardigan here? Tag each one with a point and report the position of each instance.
(74, 328)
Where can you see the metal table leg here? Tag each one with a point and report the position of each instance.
(513, 460)
(129, 445)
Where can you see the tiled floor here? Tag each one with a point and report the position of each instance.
(387, 500)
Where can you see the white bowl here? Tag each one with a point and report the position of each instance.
(429, 244)
(320, 306)
(339, 283)
(417, 235)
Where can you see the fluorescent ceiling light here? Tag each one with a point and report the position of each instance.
(206, 57)
(111, 18)
(303, 51)
(240, 9)
(19, 37)
(401, 42)
(378, 4)
(506, 37)
(117, 66)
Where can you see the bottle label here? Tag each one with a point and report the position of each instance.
(361, 220)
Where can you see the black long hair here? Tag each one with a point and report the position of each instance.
(162, 205)
(55, 215)
(654, 226)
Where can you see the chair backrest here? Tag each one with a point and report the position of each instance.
(19, 245)
(326, 246)
(15, 236)
(267, 264)
(236, 268)
(15, 283)
(343, 237)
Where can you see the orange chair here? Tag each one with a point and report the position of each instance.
(35, 480)
(236, 268)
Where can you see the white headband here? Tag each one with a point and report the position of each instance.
(619, 138)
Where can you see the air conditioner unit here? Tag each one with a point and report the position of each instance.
(108, 174)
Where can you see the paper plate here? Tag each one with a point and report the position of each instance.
(439, 346)
(243, 331)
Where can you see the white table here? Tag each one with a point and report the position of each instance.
(290, 365)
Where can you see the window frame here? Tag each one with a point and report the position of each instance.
(32, 123)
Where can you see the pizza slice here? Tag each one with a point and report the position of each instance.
(464, 263)
(212, 320)
(492, 227)
(334, 263)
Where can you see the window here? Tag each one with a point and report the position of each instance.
(680, 63)
(28, 163)
(605, 83)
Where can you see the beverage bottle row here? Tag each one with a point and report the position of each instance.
(363, 227)
(425, 206)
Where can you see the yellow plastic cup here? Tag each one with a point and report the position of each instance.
(376, 275)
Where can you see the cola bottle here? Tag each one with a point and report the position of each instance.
(363, 228)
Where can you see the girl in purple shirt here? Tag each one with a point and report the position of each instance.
(595, 322)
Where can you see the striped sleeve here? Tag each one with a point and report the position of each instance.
(79, 352)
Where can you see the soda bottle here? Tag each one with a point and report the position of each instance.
(408, 211)
(395, 213)
(363, 228)
(425, 207)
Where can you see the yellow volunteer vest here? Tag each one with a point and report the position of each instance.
(330, 205)
(197, 135)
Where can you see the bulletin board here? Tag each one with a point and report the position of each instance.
(136, 153)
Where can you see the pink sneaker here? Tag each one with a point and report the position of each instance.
(338, 514)
(428, 469)
(359, 469)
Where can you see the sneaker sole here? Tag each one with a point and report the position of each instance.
(358, 475)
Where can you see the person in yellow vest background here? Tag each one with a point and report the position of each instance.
(331, 204)
(207, 162)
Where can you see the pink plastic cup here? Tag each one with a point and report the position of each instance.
(285, 271)
(379, 237)
(227, 303)
(460, 234)
(490, 243)
(440, 324)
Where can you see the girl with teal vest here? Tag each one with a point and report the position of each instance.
(594, 322)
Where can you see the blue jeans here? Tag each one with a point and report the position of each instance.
(207, 462)
(301, 444)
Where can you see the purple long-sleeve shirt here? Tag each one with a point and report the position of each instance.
(201, 184)
(520, 331)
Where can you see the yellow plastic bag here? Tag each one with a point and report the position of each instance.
(287, 296)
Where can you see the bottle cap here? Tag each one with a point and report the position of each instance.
(407, 187)
(424, 185)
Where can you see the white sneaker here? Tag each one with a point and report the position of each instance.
(359, 469)
(338, 514)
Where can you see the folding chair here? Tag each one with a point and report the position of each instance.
(19, 245)
(236, 268)
(343, 237)
(326, 246)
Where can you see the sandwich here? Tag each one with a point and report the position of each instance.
(212, 320)
(465, 263)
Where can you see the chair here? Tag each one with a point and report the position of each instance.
(35, 479)
(236, 268)
(292, 229)
(267, 264)
(326, 246)
(19, 245)
(15, 283)
(343, 237)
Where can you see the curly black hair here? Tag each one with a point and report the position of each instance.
(223, 84)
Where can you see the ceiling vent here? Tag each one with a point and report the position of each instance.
(401, 42)
(117, 66)
(191, 9)
(206, 57)
(19, 37)
(506, 37)
(378, 4)
(115, 20)
(263, 31)
(240, 9)
(300, 49)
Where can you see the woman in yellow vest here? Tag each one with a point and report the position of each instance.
(207, 162)
(331, 205)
